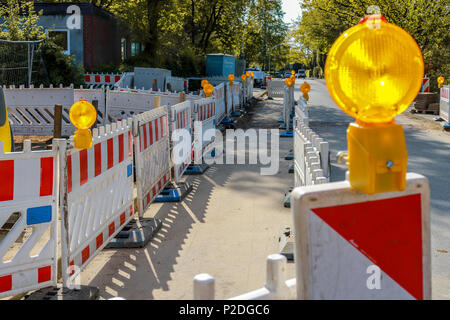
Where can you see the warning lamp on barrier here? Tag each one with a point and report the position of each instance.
(374, 71)
(247, 75)
(288, 82)
(208, 90)
(441, 81)
(252, 74)
(204, 83)
(292, 79)
(243, 78)
(83, 116)
(231, 79)
(305, 88)
(293, 72)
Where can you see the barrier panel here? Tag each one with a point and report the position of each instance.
(98, 80)
(275, 89)
(205, 115)
(236, 96)
(125, 104)
(229, 94)
(31, 110)
(275, 288)
(302, 112)
(29, 210)
(152, 156)
(445, 103)
(181, 119)
(219, 95)
(350, 245)
(311, 156)
(91, 95)
(96, 195)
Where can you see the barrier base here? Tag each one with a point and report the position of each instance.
(287, 198)
(195, 169)
(174, 193)
(286, 241)
(447, 126)
(226, 121)
(235, 114)
(287, 134)
(269, 98)
(289, 156)
(292, 169)
(136, 234)
(60, 293)
(281, 120)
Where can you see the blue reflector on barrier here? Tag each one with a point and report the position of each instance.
(39, 215)
(129, 170)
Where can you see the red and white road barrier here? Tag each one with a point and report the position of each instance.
(229, 99)
(205, 118)
(97, 194)
(445, 103)
(425, 85)
(152, 155)
(28, 196)
(181, 119)
(98, 80)
(219, 95)
(275, 89)
(353, 246)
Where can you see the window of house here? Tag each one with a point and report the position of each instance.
(60, 38)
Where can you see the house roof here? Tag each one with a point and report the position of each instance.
(60, 8)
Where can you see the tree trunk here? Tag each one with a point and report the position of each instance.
(151, 45)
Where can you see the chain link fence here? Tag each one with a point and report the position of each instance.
(21, 63)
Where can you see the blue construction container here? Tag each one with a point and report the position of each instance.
(220, 65)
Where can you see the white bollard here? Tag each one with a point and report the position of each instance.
(276, 277)
(204, 287)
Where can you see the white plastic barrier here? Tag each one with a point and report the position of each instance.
(219, 95)
(31, 110)
(181, 119)
(125, 104)
(302, 111)
(151, 143)
(229, 99)
(96, 194)
(275, 89)
(98, 80)
(91, 95)
(277, 287)
(205, 115)
(236, 96)
(28, 200)
(445, 103)
(311, 156)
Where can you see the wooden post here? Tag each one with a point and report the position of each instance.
(95, 104)
(57, 122)
(157, 102)
(155, 85)
(182, 97)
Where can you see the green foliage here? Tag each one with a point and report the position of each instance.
(427, 21)
(61, 68)
(19, 19)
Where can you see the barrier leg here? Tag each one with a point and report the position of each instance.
(136, 234)
(174, 192)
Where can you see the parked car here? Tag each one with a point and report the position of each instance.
(301, 74)
(287, 75)
(278, 75)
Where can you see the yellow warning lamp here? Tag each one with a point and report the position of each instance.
(252, 74)
(288, 82)
(305, 88)
(243, 78)
(441, 81)
(293, 72)
(204, 83)
(83, 116)
(292, 79)
(208, 89)
(373, 72)
(247, 75)
(231, 79)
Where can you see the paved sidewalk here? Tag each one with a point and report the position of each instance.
(226, 227)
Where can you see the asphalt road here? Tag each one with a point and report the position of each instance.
(428, 154)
